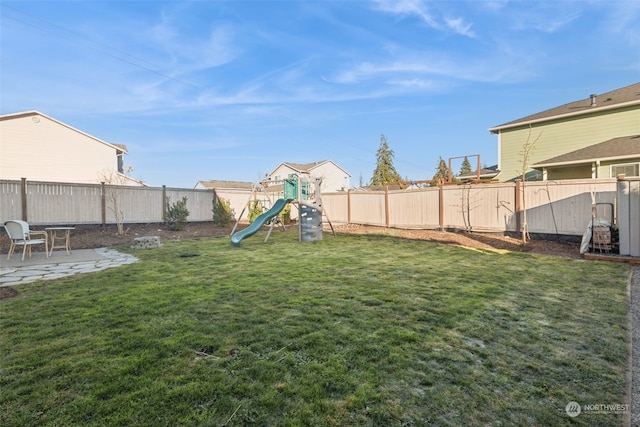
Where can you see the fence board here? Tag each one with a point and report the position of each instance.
(491, 207)
(10, 200)
(336, 206)
(368, 208)
(199, 202)
(564, 207)
(414, 208)
(63, 203)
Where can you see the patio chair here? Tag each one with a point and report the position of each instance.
(20, 235)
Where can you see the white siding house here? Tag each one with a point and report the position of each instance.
(40, 148)
(334, 178)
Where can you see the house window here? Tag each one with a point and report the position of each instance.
(120, 163)
(628, 169)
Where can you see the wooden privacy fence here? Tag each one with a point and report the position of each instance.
(48, 203)
(552, 207)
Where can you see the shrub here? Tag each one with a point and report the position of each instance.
(285, 215)
(177, 214)
(255, 210)
(222, 214)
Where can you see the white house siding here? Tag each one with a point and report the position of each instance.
(282, 172)
(333, 177)
(41, 149)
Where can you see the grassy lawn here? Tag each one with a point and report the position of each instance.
(350, 330)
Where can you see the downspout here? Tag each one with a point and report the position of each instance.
(499, 150)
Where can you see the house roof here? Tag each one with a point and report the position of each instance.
(308, 167)
(490, 172)
(213, 183)
(304, 167)
(628, 95)
(120, 148)
(625, 147)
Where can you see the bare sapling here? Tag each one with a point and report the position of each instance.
(113, 181)
(527, 151)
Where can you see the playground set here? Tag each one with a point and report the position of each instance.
(301, 191)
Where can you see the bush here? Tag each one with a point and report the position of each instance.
(255, 210)
(222, 214)
(285, 215)
(177, 214)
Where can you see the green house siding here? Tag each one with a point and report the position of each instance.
(604, 171)
(558, 136)
(569, 172)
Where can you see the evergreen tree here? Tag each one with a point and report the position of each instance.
(442, 171)
(361, 182)
(385, 171)
(465, 168)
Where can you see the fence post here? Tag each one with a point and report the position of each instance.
(349, 206)
(103, 203)
(386, 207)
(518, 198)
(164, 203)
(441, 204)
(23, 195)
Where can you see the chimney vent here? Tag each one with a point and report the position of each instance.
(593, 100)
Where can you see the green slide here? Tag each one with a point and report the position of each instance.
(257, 224)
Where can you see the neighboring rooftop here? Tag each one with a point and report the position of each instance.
(304, 167)
(624, 147)
(485, 173)
(628, 95)
(219, 184)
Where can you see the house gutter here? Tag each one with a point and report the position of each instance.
(588, 110)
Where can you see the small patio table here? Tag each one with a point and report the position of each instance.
(64, 237)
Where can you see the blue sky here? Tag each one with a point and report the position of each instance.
(228, 90)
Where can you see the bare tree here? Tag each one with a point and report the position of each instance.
(113, 181)
(527, 151)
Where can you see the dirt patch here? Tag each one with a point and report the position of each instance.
(474, 240)
(95, 236)
(7, 292)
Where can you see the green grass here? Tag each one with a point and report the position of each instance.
(350, 330)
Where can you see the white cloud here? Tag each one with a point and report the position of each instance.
(190, 52)
(546, 17)
(460, 27)
(408, 7)
(420, 9)
(415, 83)
(624, 21)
